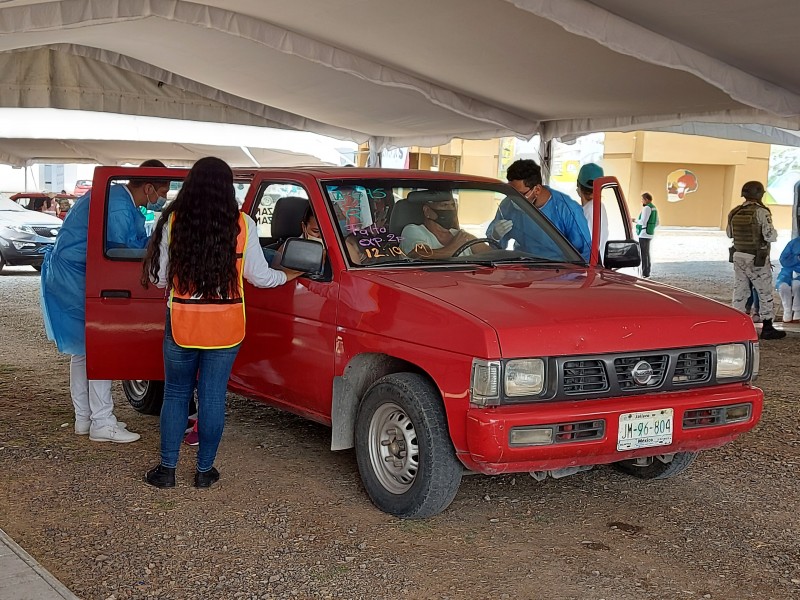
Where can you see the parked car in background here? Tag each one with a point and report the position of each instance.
(24, 234)
(82, 186)
(433, 361)
(36, 201)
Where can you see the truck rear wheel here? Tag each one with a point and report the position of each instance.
(657, 467)
(144, 395)
(405, 456)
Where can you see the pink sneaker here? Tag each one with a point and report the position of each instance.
(192, 438)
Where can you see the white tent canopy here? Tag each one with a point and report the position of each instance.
(410, 72)
(29, 136)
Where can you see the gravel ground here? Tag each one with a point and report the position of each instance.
(289, 518)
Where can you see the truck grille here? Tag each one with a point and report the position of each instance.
(584, 377)
(605, 375)
(692, 367)
(623, 368)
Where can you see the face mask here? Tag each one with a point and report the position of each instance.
(158, 204)
(311, 238)
(446, 218)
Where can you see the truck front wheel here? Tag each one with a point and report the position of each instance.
(145, 396)
(405, 457)
(657, 467)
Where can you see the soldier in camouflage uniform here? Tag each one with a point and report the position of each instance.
(750, 226)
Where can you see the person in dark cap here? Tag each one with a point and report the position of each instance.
(750, 226)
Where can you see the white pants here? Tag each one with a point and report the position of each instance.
(761, 278)
(790, 297)
(91, 398)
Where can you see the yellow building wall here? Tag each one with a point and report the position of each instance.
(642, 160)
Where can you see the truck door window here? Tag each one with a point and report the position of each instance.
(264, 206)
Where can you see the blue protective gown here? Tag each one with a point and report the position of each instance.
(63, 289)
(561, 210)
(790, 263)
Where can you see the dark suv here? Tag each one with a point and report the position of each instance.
(24, 234)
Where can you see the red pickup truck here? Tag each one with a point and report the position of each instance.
(432, 360)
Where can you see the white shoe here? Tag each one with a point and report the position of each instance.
(756, 319)
(112, 433)
(82, 427)
(787, 317)
(796, 315)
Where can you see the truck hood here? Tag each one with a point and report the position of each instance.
(577, 310)
(29, 217)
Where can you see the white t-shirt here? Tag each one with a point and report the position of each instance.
(588, 212)
(414, 235)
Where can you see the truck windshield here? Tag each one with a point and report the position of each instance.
(423, 221)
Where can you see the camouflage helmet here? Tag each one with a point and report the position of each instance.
(753, 190)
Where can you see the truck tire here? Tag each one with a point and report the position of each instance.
(405, 456)
(145, 396)
(658, 469)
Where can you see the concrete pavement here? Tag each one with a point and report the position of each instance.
(22, 578)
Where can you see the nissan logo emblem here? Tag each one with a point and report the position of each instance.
(642, 372)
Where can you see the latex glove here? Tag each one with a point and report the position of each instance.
(502, 227)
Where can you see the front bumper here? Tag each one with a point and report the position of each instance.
(30, 254)
(488, 429)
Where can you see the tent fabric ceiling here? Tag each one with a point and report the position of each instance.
(409, 73)
(20, 152)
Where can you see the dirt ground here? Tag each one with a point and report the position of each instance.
(290, 519)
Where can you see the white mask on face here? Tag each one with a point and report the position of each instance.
(313, 239)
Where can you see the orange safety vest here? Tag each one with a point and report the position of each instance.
(210, 323)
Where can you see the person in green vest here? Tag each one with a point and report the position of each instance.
(646, 224)
(750, 226)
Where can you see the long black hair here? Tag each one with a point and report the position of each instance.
(202, 248)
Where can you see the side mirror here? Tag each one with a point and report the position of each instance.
(302, 255)
(622, 254)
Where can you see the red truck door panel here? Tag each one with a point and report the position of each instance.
(287, 355)
(124, 321)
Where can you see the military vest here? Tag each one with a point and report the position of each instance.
(746, 229)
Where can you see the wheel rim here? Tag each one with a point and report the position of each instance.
(393, 448)
(138, 387)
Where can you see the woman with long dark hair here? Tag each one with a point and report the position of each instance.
(202, 248)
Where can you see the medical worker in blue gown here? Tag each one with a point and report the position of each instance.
(566, 214)
(64, 296)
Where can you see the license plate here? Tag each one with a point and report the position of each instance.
(645, 429)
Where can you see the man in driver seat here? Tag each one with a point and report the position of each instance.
(439, 235)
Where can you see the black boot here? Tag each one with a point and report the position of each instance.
(768, 332)
(161, 477)
(206, 479)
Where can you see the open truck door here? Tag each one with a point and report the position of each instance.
(124, 320)
(621, 249)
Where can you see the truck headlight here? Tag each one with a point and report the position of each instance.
(524, 377)
(484, 386)
(731, 361)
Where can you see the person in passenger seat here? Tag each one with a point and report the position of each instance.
(202, 249)
(310, 231)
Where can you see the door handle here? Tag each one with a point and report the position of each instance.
(115, 294)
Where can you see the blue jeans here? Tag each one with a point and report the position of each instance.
(185, 369)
